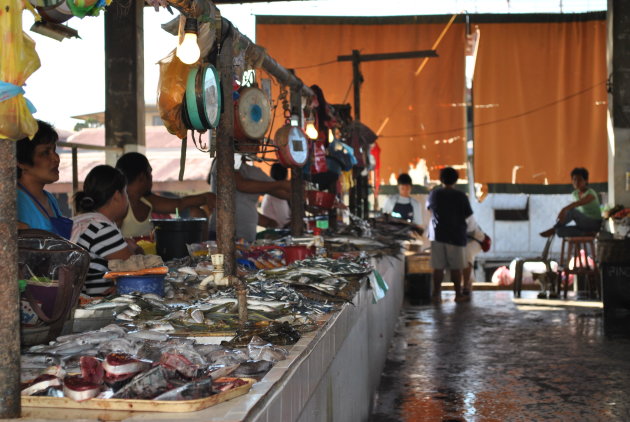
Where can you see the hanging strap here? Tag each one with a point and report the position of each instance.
(39, 203)
(182, 158)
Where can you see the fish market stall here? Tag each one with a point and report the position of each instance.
(300, 344)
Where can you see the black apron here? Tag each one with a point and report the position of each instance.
(405, 211)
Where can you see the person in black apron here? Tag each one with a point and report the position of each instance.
(402, 205)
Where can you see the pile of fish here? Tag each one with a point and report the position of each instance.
(214, 313)
(320, 278)
(145, 365)
(376, 236)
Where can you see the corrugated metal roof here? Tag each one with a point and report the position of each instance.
(162, 150)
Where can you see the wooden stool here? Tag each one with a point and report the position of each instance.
(571, 249)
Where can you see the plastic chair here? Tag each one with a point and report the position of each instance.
(549, 277)
(571, 253)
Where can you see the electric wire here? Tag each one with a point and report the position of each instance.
(503, 119)
(316, 65)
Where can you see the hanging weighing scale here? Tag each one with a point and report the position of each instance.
(292, 146)
(202, 101)
(252, 114)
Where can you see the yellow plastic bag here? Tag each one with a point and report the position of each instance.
(18, 60)
(171, 90)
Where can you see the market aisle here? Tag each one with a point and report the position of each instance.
(491, 360)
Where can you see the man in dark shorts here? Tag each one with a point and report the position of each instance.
(447, 233)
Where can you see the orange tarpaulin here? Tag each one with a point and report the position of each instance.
(539, 94)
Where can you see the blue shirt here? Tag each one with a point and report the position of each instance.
(30, 214)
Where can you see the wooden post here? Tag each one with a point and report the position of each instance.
(9, 294)
(359, 203)
(356, 78)
(124, 75)
(355, 193)
(226, 185)
(297, 179)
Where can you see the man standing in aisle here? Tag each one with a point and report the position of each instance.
(447, 233)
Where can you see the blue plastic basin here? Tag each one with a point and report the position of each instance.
(141, 284)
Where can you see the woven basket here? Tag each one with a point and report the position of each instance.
(613, 251)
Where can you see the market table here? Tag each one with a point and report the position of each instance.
(331, 373)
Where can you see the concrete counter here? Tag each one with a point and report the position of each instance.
(330, 374)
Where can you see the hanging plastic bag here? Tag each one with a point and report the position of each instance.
(85, 8)
(18, 60)
(319, 157)
(171, 90)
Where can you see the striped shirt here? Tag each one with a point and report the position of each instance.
(100, 239)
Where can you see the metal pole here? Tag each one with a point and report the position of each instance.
(9, 294)
(470, 121)
(226, 185)
(75, 171)
(297, 179)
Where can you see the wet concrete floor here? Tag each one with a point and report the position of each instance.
(494, 360)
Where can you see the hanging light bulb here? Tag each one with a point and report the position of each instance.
(311, 130)
(188, 51)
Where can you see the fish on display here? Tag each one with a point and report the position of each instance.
(179, 363)
(79, 389)
(191, 391)
(145, 386)
(253, 368)
(91, 369)
(38, 360)
(39, 384)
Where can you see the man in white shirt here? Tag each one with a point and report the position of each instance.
(402, 205)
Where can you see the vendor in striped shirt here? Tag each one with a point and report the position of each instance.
(102, 202)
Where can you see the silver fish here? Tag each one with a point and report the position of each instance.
(123, 299)
(124, 317)
(197, 315)
(191, 391)
(134, 307)
(145, 386)
(187, 270)
(160, 326)
(152, 296)
(38, 360)
(102, 305)
(149, 335)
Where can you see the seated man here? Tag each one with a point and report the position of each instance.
(142, 202)
(584, 210)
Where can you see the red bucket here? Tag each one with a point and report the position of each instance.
(296, 253)
(320, 199)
